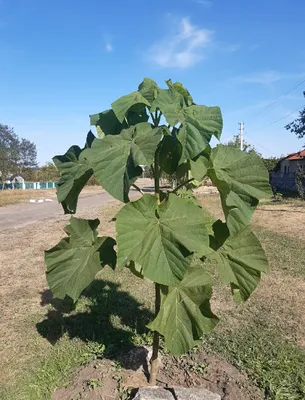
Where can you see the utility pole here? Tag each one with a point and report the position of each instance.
(241, 135)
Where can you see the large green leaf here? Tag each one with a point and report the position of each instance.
(74, 174)
(107, 122)
(241, 178)
(161, 238)
(148, 89)
(240, 259)
(182, 90)
(199, 123)
(125, 103)
(169, 152)
(116, 158)
(185, 313)
(73, 263)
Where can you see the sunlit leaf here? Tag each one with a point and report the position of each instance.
(116, 159)
(199, 123)
(73, 263)
(241, 178)
(161, 238)
(124, 103)
(240, 259)
(74, 174)
(185, 313)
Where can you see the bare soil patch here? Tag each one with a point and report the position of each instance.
(103, 380)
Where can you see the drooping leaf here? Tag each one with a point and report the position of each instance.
(242, 180)
(161, 238)
(240, 177)
(124, 104)
(169, 152)
(107, 122)
(74, 174)
(73, 263)
(136, 269)
(240, 259)
(185, 313)
(148, 89)
(137, 114)
(199, 123)
(115, 159)
(172, 104)
(182, 90)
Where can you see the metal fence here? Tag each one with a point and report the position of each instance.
(28, 185)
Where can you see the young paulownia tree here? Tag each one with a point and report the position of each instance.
(162, 237)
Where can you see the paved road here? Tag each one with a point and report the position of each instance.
(18, 215)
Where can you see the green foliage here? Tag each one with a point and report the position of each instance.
(48, 172)
(298, 125)
(272, 164)
(275, 365)
(163, 237)
(300, 182)
(17, 155)
(249, 148)
(144, 229)
(185, 311)
(73, 263)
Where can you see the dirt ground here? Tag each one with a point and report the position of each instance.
(102, 379)
(22, 280)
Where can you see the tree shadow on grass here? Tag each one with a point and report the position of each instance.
(108, 315)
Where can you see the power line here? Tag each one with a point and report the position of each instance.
(277, 120)
(257, 143)
(269, 106)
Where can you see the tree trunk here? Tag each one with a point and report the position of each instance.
(154, 358)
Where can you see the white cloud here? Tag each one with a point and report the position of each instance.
(266, 77)
(109, 47)
(183, 48)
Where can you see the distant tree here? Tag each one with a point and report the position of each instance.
(235, 142)
(27, 155)
(16, 155)
(272, 163)
(298, 125)
(48, 172)
(9, 152)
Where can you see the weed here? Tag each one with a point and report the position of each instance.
(275, 365)
(94, 351)
(93, 383)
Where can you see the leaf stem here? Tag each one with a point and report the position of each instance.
(182, 184)
(156, 341)
(157, 177)
(137, 188)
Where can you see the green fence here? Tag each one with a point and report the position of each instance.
(29, 185)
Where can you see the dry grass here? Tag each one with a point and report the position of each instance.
(287, 218)
(22, 280)
(279, 299)
(8, 197)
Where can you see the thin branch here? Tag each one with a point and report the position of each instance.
(138, 189)
(154, 119)
(182, 184)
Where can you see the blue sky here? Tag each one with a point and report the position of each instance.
(62, 60)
